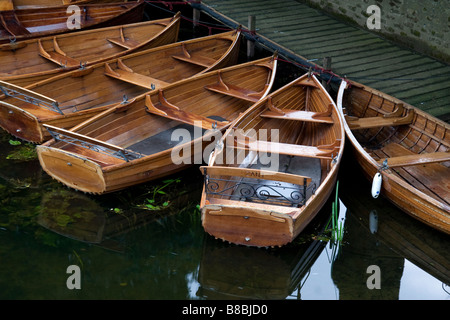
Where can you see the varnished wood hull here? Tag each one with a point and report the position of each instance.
(22, 24)
(82, 94)
(30, 61)
(33, 4)
(419, 183)
(261, 215)
(142, 130)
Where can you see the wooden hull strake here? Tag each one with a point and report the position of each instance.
(133, 143)
(22, 24)
(33, 4)
(73, 97)
(29, 61)
(411, 153)
(251, 203)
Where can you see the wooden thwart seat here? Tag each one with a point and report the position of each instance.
(321, 152)
(58, 56)
(420, 170)
(201, 61)
(128, 75)
(416, 159)
(276, 113)
(256, 174)
(234, 91)
(9, 20)
(168, 110)
(390, 119)
(124, 42)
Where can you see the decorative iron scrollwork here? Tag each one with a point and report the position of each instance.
(255, 190)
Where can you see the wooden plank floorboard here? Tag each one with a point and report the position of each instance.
(323, 40)
(404, 65)
(427, 86)
(364, 58)
(373, 51)
(307, 30)
(416, 75)
(241, 10)
(388, 80)
(439, 97)
(314, 52)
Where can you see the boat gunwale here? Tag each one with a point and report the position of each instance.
(54, 72)
(207, 134)
(438, 207)
(128, 7)
(316, 200)
(132, 55)
(232, 36)
(110, 169)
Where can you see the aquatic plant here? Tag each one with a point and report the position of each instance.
(337, 227)
(151, 203)
(24, 152)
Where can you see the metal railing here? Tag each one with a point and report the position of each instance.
(253, 190)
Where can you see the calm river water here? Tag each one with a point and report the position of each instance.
(147, 242)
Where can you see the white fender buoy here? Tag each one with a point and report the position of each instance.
(376, 185)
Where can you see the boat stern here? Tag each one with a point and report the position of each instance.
(71, 169)
(21, 123)
(249, 226)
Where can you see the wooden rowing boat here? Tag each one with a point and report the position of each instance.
(29, 61)
(404, 149)
(156, 134)
(275, 167)
(73, 97)
(28, 4)
(21, 24)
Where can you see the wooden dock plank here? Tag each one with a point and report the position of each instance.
(385, 64)
(331, 51)
(430, 75)
(356, 53)
(363, 60)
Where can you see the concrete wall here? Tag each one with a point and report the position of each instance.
(423, 25)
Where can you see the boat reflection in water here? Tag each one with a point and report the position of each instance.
(380, 234)
(230, 271)
(100, 221)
